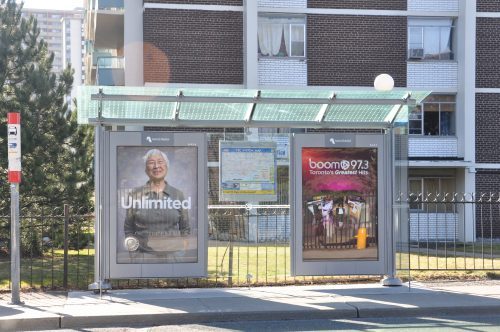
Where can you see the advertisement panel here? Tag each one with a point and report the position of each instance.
(341, 214)
(339, 191)
(247, 171)
(157, 189)
(157, 204)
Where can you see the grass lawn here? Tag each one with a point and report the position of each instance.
(485, 247)
(48, 271)
(251, 264)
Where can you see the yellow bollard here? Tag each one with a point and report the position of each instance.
(361, 242)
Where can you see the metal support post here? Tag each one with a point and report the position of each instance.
(15, 257)
(391, 279)
(99, 285)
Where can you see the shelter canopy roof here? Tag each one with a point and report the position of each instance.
(199, 107)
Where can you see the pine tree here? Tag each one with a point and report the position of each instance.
(56, 159)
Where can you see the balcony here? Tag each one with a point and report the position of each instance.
(104, 22)
(433, 146)
(110, 71)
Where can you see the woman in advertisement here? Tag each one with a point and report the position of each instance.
(156, 223)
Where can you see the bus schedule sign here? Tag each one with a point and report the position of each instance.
(247, 171)
(14, 146)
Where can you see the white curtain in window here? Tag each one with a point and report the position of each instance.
(437, 34)
(270, 36)
(445, 39)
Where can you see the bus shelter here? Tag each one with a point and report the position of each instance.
(347, 162)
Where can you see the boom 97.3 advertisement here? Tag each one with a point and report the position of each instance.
(339, 196)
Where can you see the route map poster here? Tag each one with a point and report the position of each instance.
(247, 171)
(339, 197)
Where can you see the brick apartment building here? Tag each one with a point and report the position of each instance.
(449, 47)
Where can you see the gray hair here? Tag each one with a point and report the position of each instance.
(155, 152)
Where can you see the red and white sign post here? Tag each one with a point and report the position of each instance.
(14, 146)
(14, 154)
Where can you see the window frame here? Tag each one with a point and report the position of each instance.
(424, 207)
(452, 27)
(270, 16)
(422, 112)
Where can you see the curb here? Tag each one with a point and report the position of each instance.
(69, 322)
(428, 311)
(197, 318)
(26, 324)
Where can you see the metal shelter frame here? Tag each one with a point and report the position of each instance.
(388, 109)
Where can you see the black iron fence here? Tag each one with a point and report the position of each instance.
(455, 231)
(250, 245)
(57, 248)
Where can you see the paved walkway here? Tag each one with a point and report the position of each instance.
(149, 307)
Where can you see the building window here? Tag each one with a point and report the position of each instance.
(430, 39)
(434, 117)
(282, 36)
(425, 190)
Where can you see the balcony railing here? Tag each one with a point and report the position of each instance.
(110, 4)
(110, 71)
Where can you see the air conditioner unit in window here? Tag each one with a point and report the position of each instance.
(416, 53)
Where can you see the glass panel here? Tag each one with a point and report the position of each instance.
(447, 119)
(440, 98)
(448, 187)
(415, 37)
(297, 40)
(431, 43)
(285, 112)
(289, 112)
(415, 190)
(431, 189)
(357, 113)
(215, 111)
(431, 186)
(415, 121)
(431, 119)
(157, 110)
(445, 40)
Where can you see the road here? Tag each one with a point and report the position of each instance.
(414, 324)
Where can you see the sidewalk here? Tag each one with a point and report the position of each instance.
(148, 307)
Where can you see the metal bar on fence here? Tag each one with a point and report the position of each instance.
(42, 260)
(31, 226)
(230, 257)
(66, 245)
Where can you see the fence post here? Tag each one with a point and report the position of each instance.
(230, 263)
(66, 224)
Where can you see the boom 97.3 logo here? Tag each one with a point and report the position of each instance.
(345, 165)
(340, 167)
